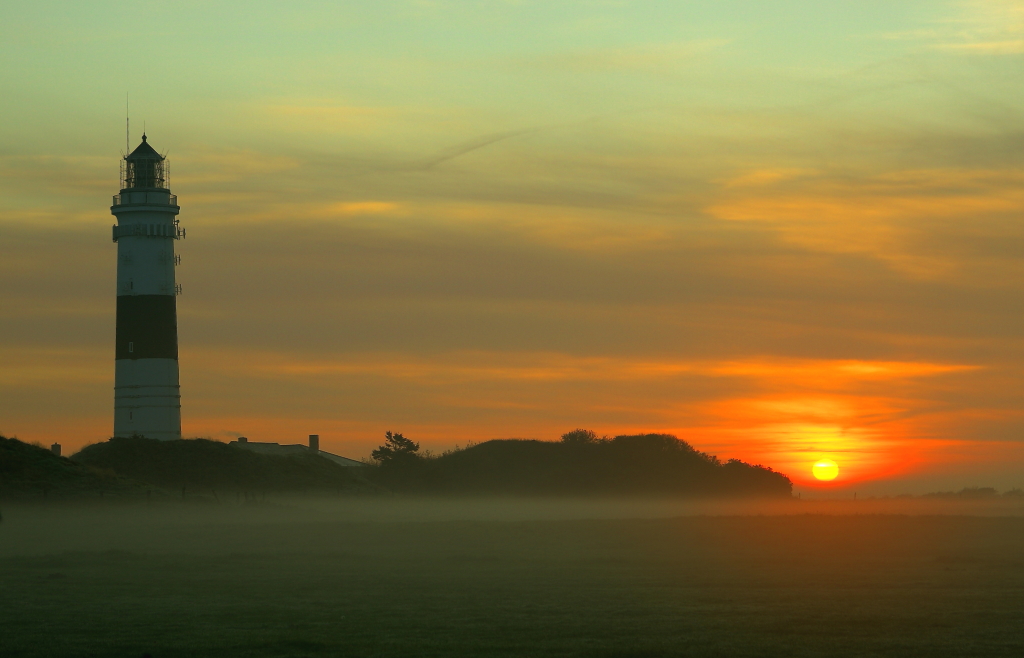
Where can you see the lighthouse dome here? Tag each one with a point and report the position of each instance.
(145, 168)
(144, 151)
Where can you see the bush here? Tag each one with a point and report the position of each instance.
(580, 436)
(396, 449)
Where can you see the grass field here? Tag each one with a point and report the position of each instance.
(507, 578)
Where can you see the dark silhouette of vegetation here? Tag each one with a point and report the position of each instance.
(581, 464)
(205, 467)
(396, 449)
(580, 436)
(30, 471)
(970, 493)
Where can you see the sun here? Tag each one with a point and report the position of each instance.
(825, 469)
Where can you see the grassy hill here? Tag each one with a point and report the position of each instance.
(207, 467)
(646, 464)
(28, 471)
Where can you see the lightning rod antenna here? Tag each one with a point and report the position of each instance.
(127, 127)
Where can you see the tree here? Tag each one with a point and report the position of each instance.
(396, 449)
(580, 436)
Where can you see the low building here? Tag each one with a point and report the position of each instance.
(268, 448)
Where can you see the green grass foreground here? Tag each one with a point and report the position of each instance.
(397, 579)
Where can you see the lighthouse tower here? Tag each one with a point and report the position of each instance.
(147, 400)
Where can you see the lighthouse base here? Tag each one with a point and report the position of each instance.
(147, 399)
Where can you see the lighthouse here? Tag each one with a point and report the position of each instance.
(147, 399)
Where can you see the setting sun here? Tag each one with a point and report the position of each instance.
(825, 469)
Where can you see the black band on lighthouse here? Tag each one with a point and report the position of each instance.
(147, 327)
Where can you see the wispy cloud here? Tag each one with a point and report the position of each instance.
(1008, 47)
(881, 215)
(362, 207)
(980, 27)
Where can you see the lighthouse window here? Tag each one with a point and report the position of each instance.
(129, 415)
(131, 347)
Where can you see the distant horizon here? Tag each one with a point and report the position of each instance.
(835, 490)
(782, 232)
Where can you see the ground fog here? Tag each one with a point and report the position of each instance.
(508, 577)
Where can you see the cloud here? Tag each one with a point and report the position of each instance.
(205, 166)
(883, 215)
(362, 207)
(768, 176)
(983, 27)
(59, 175)
(819, 373)
(1011, 47)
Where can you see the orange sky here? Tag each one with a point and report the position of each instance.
(782, 231)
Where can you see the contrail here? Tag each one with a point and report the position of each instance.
(467, 147)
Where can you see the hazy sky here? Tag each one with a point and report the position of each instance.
(781, 230)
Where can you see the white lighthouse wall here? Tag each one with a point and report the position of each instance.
(145, 265)
(147, 400)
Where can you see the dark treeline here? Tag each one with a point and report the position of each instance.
(580, 464)
(975, 493)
